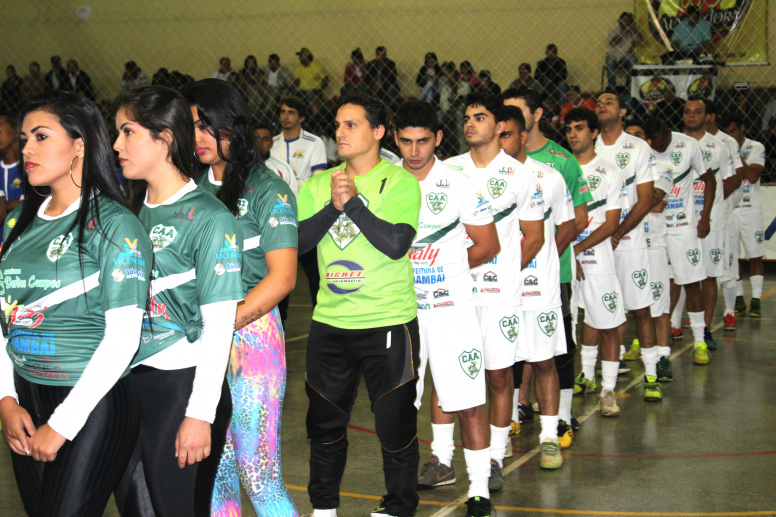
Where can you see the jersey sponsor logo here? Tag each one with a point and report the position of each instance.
(230, 267)
(441, 293)
(48, 368)
(531, 280)
(610, 301)
(162, 236)
(424, 306)
(299, 153)
(640, 278)
(443, 304)
(676, 157)
(424, 226)
(548, 321)
(230, 250)
(716, 255)
(219, 269)
(532, 293)
(421, 294)
(554, 151)
(533, 264)
(510, 326)
(29, 318)
(424, 255)
(242, 207)
(344, 230)
(41, 343)
(443, 184)
(345, 277)
(58, 246)
(622, 159)
(507, 170)
(275, 221)
(185, 213)
(589, 252)
(758, 236)
(593, 182)
(130, 255)
(11, 222)
(157, 310)
(493, 290)
(471, 362)
(496, 187)
(490, 276)
(436, 202)
(657, 289)
(694, 256)
(118, 275)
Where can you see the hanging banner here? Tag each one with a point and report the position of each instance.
(738, 28)
(649, 82)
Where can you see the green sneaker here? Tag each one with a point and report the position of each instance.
(664, 373)
(634, 353)
(700, 355)
(754, 308)
(653, 392)
(582, 385)
(551, 458)
(740, 306)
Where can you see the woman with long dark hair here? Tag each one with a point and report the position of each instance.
(266, 211)
(77, 265)
(178, 373)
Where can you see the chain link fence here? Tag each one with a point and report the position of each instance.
(436, 51)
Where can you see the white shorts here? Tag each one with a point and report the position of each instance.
(601, 297)
(731, 252)
(713, 248)
(500, 328)
(686, 258)
(751, 231)
(451, 344)
(544, 336)
(632, 267)
(659, 282)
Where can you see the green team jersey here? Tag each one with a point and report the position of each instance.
(54, 304)
(360, 286)
(197, 260)
(268, 217)
(563, 161)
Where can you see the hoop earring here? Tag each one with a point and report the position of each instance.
(71, 173)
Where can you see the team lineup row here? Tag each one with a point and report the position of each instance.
(117, 352)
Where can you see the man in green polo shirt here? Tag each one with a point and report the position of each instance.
(363, 216)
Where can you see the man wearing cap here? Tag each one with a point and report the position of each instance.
(310, 77)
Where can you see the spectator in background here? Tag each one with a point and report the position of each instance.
(355, 72)
(692, 35)
(551, 72)
(671, 109)
(622, 40)
(224, 70)
(11, 90)
(769, 120)
(133, 77)
(310, 77)
(486, 84)
(750, 117)
(453, 90)
(279, 78)
(524, 78)
(250, 64)
(382, 78)
(56, 78)
(35, 83)
(428, 77)
(575, 101)
(551, 112)
(468, 74)
(11, 165)
(78, 81)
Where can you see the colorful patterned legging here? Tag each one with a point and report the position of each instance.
(251, 458)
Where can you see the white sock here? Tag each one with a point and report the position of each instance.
(564, 405)
(649, 357)
(516, 407)
(676, 318)
(609, 374)
(664, 351)
(549, 427)
(478, 467)
(697, 323)
(739, 287)
(757, 286)
(622, 352)
(729, 294)
(589, 358)
(325, 513)
(442, 446)
(499, 437)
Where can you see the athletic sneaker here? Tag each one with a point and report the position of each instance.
(608, 404)
(478, 507)
(729, 322)
(380, 511)
(664, 373)
(740, 306)
(686, 324)
(565, 435)
(634, 353)
(700, 355)
(574, 422)
(515, 428)
(582, 385)
(624, 368)
(677, 333)
(754, 308)
(496, 480)
(711, 343)
(526, 413)
(551, 458)
(434, 474)
(653, 392)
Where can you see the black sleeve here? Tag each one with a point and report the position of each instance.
(393, 240)
(312, 230)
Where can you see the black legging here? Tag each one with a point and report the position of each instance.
(78, 483)
(153, 484)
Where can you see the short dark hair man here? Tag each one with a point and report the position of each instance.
(363, 216)
(11, 180)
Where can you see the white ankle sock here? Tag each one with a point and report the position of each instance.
(516, 406)
(589, 358)
(757, 286)
(325, 513)
(549, 427)
(443, 446)
(609, 374)
(499, 437)
(729, 294)
(697, 323)
(676, 318)
(478, 467)
(622, 352)
(649, 357)
(739, 287)
(564, 405)
(664, 351)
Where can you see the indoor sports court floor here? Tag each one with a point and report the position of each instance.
(707, 449)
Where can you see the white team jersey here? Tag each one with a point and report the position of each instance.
(438, 254)
(754, 154)
(607, 186)
(389, 156)
(514, 194)
(541, 278)
(304, 154)
(655, 223)
(735, 154)
(717, 158)
(285, 172)
(634, 158)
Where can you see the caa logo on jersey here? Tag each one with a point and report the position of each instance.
(758, 236)
(657, 290)
(623, 159)
(676, 157)
(242, 207)
(345, 277)
(58, 246)
(510, 326)
(496, 187)
(548, 321)
(593, 181)
(471, 362)
(162, 236)
(436, 202)
(716, 255)
(640, 278)
(610, 301)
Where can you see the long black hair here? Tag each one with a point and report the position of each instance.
(224, 114)
(157, 109)
(80, 118)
